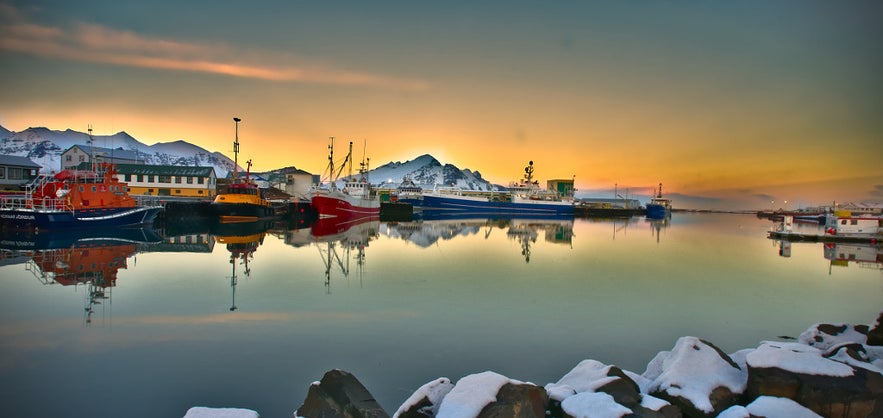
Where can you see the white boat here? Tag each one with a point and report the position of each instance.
(843, 224)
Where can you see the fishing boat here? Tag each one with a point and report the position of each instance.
(659, 207)
(77, 199)
(242, 200)
(353, 201)
(844, 224)
(524, 198)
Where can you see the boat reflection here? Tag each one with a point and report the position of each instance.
(90, 258)
(526, 231)
(860, 255)
(342, 241)
(242, 240)
(657, 225)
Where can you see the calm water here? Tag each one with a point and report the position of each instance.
(397, 305)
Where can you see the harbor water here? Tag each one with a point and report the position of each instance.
(151, 325)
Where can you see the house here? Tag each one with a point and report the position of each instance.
(167, 180)
(78, 154)
(298, 183)
(16, 171)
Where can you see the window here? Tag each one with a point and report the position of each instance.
(853, 222)
(149, 191)
(82, 158)
(201, 180)
(141, 177)
(199, 191)
(177, 191)
(94, 189)
(69, 157)
(13, 173)
(2, 172)
(151, 178)
(165, 179)
(189, 180)
(178, 179)
(127, 177)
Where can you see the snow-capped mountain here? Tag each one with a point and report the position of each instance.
(44, 146)
(427, 172)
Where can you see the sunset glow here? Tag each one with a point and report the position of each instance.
(749, 102)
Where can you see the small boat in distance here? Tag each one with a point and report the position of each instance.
(77, 199)
(659, 207)
(242, 201)
(354, 201)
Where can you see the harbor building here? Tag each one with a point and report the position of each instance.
(16, 171)
(78, 154)
(167, 180)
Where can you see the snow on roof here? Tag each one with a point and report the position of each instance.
(587, 376)
(692, 370)
(471, 394)
(435, 391)
(205, 412)
(797, 358)
(594, 405)
(769, 406)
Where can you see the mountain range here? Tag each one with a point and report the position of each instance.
(44, 147)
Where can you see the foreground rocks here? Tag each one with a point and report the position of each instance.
(832, 370)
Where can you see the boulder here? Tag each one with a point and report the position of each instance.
(697, 377)
(424, 402)
(489, 394)
(339, 395)
(875, 334)
(827, 387)
(523, 400)
(825, 336)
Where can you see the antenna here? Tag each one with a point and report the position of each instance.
(91, 148)
(236, 149)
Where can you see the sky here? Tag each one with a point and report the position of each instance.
(751, 103)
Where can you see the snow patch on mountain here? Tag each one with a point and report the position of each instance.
(427, 172)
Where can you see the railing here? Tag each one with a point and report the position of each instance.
(27, 203)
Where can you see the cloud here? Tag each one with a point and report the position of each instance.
(88, 42)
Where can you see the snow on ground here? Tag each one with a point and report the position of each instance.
(796, 358)
(593, 405)
(471, 394)
(587, 376)
(205, 412)
(435, 391)
(769, 407)
(692, 370)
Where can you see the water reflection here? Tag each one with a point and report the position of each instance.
(859, 255)
(242, 240)
(340, 242)
(89, 258)
(525, 232)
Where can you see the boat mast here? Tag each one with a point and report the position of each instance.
(236, 150)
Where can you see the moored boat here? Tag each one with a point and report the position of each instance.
(525, 198)
(242, 201)
(353, 201)
(659, 207)
(77, 199)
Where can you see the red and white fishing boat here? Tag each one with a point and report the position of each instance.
(353, 201)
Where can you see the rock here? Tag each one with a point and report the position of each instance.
(825, 336)
(339, 395)
(768, 406)
(875, 334)
(424, 402)
(697, 377)
(517, 401)
(589, 404)
(827, 387)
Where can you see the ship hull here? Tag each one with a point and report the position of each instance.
(343, 207)
(476, 206)
(656, 211)
(86, 218)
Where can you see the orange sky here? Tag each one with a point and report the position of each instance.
(749, 101)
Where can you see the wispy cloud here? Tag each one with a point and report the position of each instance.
(89, 42)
